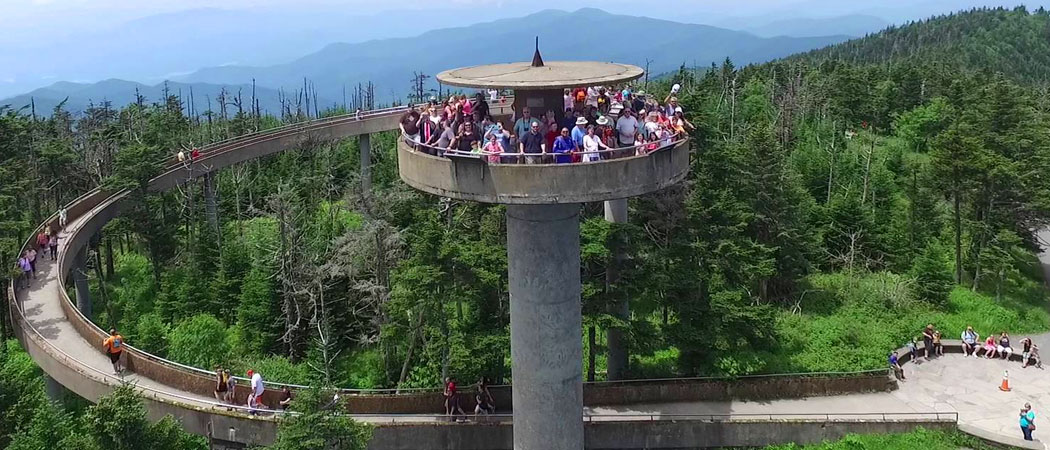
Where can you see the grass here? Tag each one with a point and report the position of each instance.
(852, 323)
(919, 439)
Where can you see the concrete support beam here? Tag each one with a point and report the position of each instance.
(364, 144)
(543, 258)
(618, 357)
(55, 391)
(80, 282)
(211, 207)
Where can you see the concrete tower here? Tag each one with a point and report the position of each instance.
(543, 236)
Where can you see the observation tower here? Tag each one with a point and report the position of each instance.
(543, 234)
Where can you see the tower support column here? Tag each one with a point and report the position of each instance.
(364, 145)
(617, 362)
(80, 282)
(211, 205)
(546, 346)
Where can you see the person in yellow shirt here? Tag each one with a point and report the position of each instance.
(114, 346)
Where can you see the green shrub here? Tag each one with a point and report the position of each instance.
(199, 341)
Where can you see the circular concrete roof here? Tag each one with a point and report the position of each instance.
(552, 75)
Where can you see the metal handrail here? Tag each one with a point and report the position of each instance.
(630, 151)
(948, 416)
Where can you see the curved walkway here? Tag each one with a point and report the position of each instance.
(947, 384)
(951, 383)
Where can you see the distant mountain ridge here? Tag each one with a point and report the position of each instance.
(585, 34)
(588, 33)
(854, 25)
(1014, 41)
(120, 92)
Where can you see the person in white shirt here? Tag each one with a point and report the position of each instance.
(627, 128)
(258, 388)
(592, 144)
(592, 96)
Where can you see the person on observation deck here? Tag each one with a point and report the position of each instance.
(445, 137)
(671, 106)
(409, 124)
(429, 129)
(679, 122)
(466, 141)
(627, 129)
(563, 148)
(592, 143)
(480, 105)
(114, 346)
(567, 101)
(493, 148)
(579, 131)
(553, 130)
(532, 145)
(524, 123)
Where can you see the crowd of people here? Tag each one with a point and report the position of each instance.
(597, 123)
(992, 347)
(45, 245)
(483, 402)
(226, 391)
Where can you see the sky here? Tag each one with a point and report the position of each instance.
(45, 41)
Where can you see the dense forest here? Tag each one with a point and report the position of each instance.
(1013, 41)
(834, 207)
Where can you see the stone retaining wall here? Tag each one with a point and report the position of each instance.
(632, 435)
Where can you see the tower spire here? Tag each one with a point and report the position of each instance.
(537, 60)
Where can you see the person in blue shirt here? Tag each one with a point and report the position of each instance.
(895, 364)
(563, 147)
(579, 131)
(1027, 421)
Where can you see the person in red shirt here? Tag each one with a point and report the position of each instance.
(195, 154)
(42, 240)
(451, 399)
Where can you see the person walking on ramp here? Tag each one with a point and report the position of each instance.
(114, 346)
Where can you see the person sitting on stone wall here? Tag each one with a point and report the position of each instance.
(895, 364)
(970, 342)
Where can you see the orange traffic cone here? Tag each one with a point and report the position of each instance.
(1005, 387)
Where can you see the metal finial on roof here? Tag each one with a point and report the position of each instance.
(537, 60)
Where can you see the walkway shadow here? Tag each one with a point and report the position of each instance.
(47, 328)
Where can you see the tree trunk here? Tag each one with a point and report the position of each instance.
(109, 258)
(412, 348)
(591, 338)
(957, 206)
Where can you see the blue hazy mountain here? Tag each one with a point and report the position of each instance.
(856, 25)
(586, 34)
(120, 92)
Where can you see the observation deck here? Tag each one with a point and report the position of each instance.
(475, 179)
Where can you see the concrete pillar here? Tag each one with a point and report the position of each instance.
(616, 339)
(211, 207)
(80, 282)
(55, 391)
(546, 348)
(364, 144)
